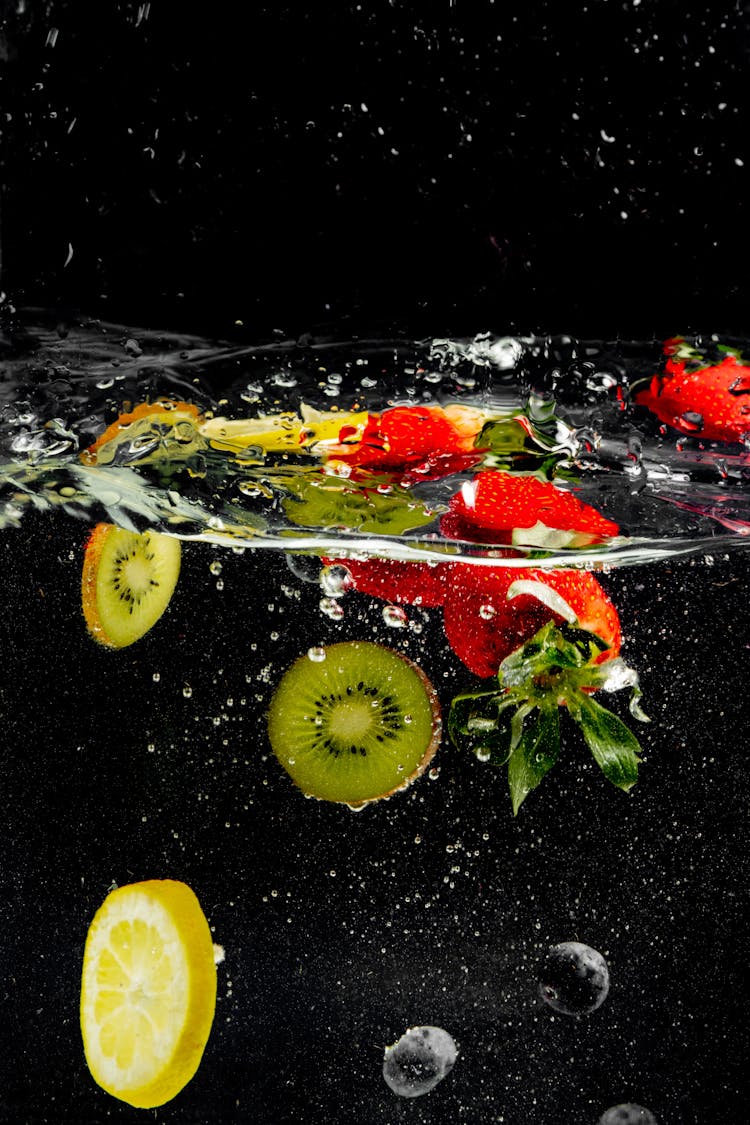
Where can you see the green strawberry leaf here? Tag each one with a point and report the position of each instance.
(480, 722)
(535, 754)
(519, 723)
(615, 748)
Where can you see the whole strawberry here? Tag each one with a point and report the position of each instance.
(428, 441)
(703, 400)
(552, 638)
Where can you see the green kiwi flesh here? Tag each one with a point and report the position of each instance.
(354, 722)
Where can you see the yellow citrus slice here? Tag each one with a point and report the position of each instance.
(148, 991)
(127, 582)
(153, 431)
(313, 432)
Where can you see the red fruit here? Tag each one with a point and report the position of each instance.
(711, 402)
(524, 510)
(483, 625)
(405, 583)
(425, 439)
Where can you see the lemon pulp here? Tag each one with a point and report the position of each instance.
(148, 991)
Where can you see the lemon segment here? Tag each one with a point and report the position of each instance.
(148, 991)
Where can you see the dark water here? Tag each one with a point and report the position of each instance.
(436, 907)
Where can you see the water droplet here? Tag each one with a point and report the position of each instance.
(692, 421)
(284, 379)
(419, 1060)
(395, 616)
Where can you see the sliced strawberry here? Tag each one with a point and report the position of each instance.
(708, 401)
(521, 509)
(484, 625)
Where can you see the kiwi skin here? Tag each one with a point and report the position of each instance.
(292, 706)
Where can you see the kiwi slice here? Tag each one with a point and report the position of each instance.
(354, 722)
(127, 582)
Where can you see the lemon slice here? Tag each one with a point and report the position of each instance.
(127, 582)
(148, 991)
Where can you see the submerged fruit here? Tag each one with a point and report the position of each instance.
(148, 991)
(153, 431)
(354, 722)
(127, 582)
(419, 1060)
(574, 979)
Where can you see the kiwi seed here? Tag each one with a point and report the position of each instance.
(355, 722)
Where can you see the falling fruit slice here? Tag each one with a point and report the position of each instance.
(148, 991)
(128, 580)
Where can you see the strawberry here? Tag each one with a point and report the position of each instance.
(524, 511)
(431, 441)
(484, 622)
(552, 637)
(404, 583)
(710, 401)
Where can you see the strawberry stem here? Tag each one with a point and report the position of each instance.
(519, 725)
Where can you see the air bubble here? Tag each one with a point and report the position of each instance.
(331, 608)
(215, 567)
(419, 1060)
(395, 617)
(335, 580)
(306, 567)
(317, 654)
(187, 691)
(487, 612)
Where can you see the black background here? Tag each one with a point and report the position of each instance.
(530, 166)
(342, 929)
(541, 168)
